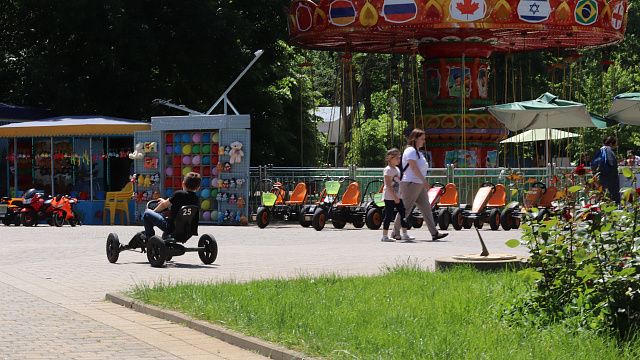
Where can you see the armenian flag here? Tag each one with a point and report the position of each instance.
(342, 12)
(399, 11)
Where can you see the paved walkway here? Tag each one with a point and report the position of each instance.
(53, 282)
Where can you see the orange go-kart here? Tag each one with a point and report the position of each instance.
(538, 196)
(349, 210)
(487, 205)
(446, 209)
(275, 204)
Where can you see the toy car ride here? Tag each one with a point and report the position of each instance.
(538, 196)
(448, 210)
(162, 249)
(487, 205)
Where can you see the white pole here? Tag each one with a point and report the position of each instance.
(91, 168)
(224, 95)
(52, 167)
(15, 166)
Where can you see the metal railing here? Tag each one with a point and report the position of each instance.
(467, 180)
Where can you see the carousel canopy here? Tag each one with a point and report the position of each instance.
(625, 109)
(545, 112)
(74, 126)
(539, 135)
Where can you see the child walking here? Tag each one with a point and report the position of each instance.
(391, 194)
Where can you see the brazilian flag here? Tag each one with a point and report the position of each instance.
(586, 12)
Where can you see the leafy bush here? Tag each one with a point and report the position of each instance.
(585, 265)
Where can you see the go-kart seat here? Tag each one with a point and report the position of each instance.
(450, 196)
(299, 195)
(482, 197)
(351, 196)
(548, 197)
(434, 195)
(499, 197)
(533, 197)
(186, 223)
(280, 193)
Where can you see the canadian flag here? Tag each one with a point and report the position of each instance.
(468, 10)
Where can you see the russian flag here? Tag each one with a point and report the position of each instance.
(342, 13)
(399, 11)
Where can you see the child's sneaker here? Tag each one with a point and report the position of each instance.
(385, 238)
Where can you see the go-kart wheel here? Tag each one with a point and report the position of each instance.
(444, 219)
(494, 219)
(467, 223)
(478, 223)
(457, 219)
(28, 219)
(156, 251)
(113, 248)
(57, 219)
(515, 224)
(374, 218)
(358, 222)
(263, 217)
(319, 219)
(301, 219)
(73, 222)
(210, 252)
(338, 223)
(415, 221)
(507, 219)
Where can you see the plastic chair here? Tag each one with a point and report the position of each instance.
(299, 195)
(351, 196)
(118, 201)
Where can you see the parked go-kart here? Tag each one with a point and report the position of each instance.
(159, 249)
(61, 210)
(447, 211)
(10, 210)
(317, 214)
(487, 204)
(374, 209)
(538, 196)
(349, 210)
(274, 204)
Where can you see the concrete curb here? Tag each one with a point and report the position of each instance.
(259, 346)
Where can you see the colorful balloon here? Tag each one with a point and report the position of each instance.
(206, 171)
(206, 137)
(186, 170)
(169, 171)
(205, 193)
(177, 149)
(205, 205)
(186, 137)
(206, 149)
(195, 149)
(169, 138)
(206, 160)
(186, 160)
(206, 216)
(197, 137)
(186, 149)
(206, 182)
(215, 138)
(168, 193)
(169, 149)
(196, 160)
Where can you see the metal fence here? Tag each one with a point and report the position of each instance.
(467, 180)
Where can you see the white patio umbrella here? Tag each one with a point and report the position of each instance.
(625, 109)
(539, 135)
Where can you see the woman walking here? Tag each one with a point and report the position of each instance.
(413, 186)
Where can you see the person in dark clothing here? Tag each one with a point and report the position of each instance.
(609, 172)
(184, 197)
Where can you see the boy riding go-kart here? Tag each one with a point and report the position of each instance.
(178, 228)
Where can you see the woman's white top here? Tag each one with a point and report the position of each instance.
(410, 153)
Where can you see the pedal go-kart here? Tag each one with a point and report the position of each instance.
(374, 210)
(487, 205)
(159, 250)
(349, 210)
(447, 211)
(275, 206)
(317, 214)
(10, 210)
(538, 196)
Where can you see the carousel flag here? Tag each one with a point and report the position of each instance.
(534, 11)
(304, 19)
(342, 13)
(467, 10)
(586, 12)
(399, 11)
(618, 15)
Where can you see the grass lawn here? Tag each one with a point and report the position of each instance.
(405, 313)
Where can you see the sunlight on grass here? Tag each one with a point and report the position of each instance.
(405, 313)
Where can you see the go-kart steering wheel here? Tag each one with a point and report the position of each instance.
(440, 185)
(151, 205)
(493, 187)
